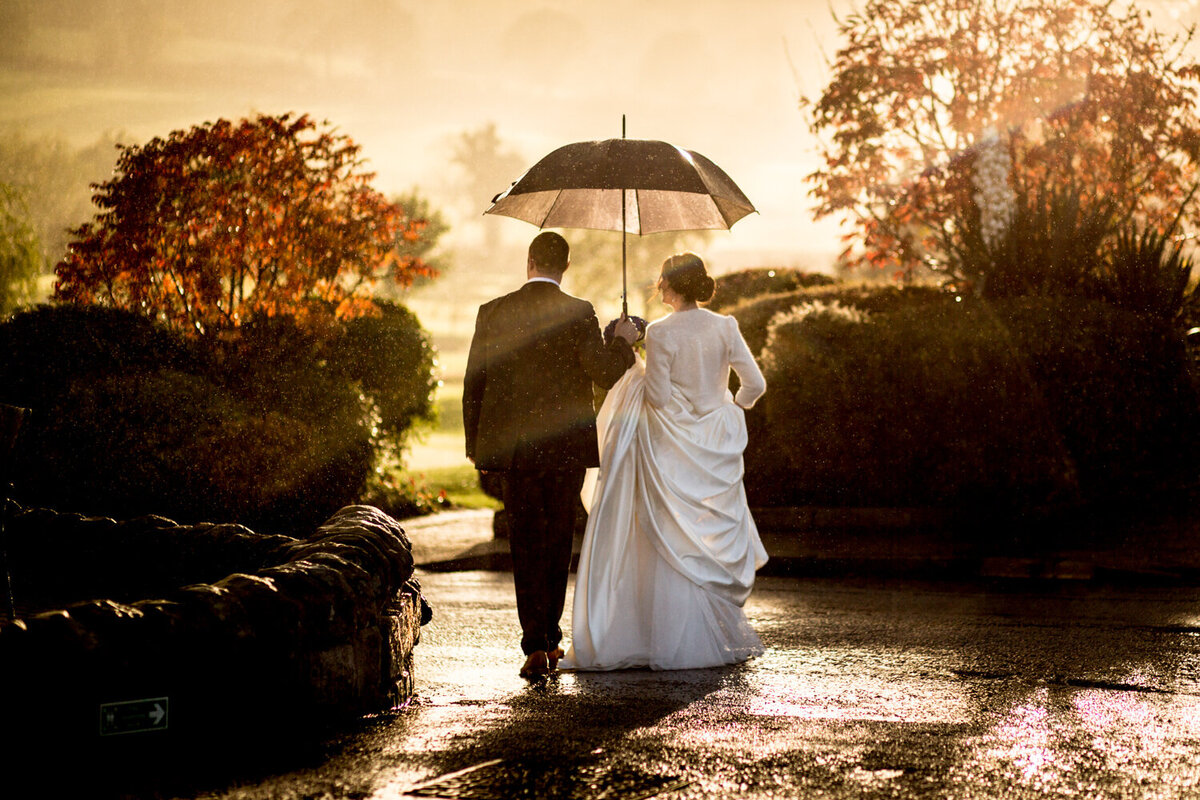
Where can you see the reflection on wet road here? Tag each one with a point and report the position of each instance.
(866, 690)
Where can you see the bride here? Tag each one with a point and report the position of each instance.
(670, 550)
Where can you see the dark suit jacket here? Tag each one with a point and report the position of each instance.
(527, 392)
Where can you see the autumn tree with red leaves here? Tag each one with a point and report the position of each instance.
(1082, 92)
(273, 215)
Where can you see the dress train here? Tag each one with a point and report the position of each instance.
(670, 550)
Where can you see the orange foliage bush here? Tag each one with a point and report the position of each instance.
(269, 215)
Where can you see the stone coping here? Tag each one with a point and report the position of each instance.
(234, 635)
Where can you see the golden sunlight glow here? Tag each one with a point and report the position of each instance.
(1181, 9)
(943, 88)
(1128, 726)
(816, 685)
(1030, 741)
(1130, 734)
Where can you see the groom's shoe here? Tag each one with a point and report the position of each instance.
(536, 666)
(553, 656)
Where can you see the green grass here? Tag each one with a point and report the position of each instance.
(449, 409)
(461, 485)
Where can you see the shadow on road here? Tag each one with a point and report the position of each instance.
(564, 728)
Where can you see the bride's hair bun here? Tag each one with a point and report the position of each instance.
(685, 274)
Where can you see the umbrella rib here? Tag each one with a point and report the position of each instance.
(553, 207)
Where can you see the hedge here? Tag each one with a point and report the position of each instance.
(755, 313)
(1012, 404)
(273, 427)
(735, 287)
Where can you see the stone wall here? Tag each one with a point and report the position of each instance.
(147, 636)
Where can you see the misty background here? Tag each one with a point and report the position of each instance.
(405, 79)
(408, 80)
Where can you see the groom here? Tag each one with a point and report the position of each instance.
(528, 413)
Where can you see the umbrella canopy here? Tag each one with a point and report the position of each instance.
(665, 188)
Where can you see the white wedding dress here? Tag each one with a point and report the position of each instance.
(670, 550)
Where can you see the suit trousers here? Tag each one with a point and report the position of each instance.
(541, 513)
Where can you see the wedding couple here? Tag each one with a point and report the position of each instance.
(670, 550)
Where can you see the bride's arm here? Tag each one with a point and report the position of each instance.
(743, 363)
(658, 369)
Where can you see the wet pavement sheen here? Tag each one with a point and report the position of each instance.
(866, 690)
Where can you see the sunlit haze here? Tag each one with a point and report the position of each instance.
(403, 78)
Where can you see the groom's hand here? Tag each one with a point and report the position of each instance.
(626, 330)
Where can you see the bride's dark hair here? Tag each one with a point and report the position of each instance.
(685, 274)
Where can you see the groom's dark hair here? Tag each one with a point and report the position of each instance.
(550, 252)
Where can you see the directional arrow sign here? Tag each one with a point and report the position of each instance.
(133, 716)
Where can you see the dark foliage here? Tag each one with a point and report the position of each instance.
(1011, 404)
(734, 287)
(768, 476)
(1147, 273)
(1054, 245)
(46, 349)
(391, 357)
(257, 427)
(756, 313)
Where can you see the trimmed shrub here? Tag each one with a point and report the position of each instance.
(1118, 387)
(274, 364)
(1011, 404)
(735, 287)
(754, 315)
(45, 349)
(180, 446)
(259, 427)
(769, 480)
(393, 360)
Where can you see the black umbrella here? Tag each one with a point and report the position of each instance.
(630, 185)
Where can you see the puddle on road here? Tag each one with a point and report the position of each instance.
(1089, 743)
(849, 685)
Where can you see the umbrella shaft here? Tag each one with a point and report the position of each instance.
(624, 279)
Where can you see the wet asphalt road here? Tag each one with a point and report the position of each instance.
(867, 690)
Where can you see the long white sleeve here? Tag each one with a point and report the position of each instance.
(754, 385)
(658, 369)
